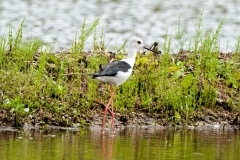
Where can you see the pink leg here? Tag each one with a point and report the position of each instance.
(113, 117)
(106, 108)
(103, 105)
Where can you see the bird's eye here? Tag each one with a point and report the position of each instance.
(139, 42)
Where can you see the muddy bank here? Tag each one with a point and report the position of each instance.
(208, 119)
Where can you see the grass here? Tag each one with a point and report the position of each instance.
(177, 85)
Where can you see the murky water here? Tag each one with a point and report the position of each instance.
(58, 22)
(129, 144)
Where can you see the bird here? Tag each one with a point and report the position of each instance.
(117, 72)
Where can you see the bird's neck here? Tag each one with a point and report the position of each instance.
(132, 52)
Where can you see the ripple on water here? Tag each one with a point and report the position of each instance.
(58, 21)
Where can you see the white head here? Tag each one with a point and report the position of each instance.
(136, 43)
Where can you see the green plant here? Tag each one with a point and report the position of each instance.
(78, 45)
(17, 106)
(180, 36)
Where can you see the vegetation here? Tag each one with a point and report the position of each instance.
(174, 85)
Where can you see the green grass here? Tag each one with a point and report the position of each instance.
(177, 85)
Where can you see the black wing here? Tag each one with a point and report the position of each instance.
(112, 68)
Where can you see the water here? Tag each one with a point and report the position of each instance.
(57, 22)
(127, 144)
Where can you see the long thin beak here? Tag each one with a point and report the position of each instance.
(157, 52)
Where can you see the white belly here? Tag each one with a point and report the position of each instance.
(117, 80)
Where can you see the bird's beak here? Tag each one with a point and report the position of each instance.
(157, 52)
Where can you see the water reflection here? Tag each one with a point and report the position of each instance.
(126, 144)
(107, 147)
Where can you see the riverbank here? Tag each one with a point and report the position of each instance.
(197, 87)
(220, 114)
(208, 119)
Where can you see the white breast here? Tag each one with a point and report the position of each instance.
(117, 80)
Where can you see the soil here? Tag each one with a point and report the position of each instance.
(218, 119)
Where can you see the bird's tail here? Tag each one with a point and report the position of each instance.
(70, 74)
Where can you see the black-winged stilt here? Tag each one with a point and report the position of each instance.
(116, 73)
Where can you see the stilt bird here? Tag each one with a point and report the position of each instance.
(116, 73)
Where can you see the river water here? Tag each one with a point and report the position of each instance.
(129, 144)
(58, 21)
